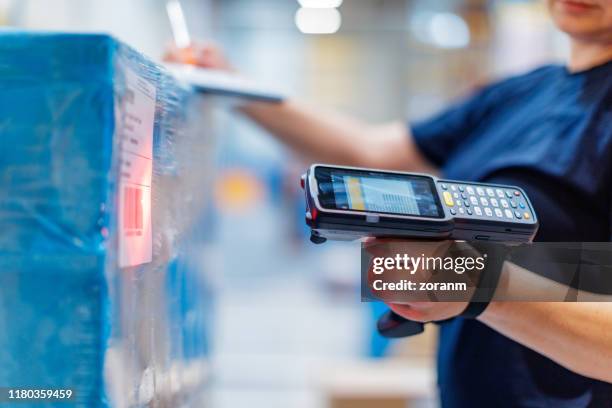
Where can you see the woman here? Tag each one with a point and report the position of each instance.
(548, 131)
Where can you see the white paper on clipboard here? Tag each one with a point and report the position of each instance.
(223, 83)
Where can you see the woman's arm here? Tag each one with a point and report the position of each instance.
(577, 335)
(323, 136)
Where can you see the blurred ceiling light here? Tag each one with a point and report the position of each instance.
(318, 20)
(320, 3)
(444, 30)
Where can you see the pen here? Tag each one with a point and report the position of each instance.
(180, 31)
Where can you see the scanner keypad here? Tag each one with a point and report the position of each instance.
(477, 201)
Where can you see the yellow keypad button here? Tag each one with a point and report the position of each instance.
(448, 198)
(526, 215)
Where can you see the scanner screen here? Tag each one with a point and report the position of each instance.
(382, 192)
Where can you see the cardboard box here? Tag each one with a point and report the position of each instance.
(104, 176)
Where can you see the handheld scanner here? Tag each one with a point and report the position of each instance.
(348, 203)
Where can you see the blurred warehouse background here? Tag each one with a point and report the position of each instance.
(289, 329)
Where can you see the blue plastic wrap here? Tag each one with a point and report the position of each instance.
(70, 316)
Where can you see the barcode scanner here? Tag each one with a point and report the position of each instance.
(350, 203)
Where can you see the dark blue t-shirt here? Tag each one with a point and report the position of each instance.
(550, 132)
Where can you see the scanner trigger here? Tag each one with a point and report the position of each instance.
(393, 326)
(317, 239)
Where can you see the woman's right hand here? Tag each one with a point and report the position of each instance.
(205, 55)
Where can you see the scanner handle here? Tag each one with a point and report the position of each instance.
(392, 325)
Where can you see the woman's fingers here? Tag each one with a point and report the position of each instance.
(205, 55)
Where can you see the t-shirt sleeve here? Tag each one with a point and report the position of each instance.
(439, 136)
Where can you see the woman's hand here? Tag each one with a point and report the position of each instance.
(204, 55)
(428, 311)
(413, 305)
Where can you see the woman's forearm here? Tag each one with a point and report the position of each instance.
(334, 138)
(577, 335)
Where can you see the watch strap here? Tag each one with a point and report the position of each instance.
(489, 278)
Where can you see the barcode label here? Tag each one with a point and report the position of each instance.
(134, 225)
(132, 211)
(135, 130)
